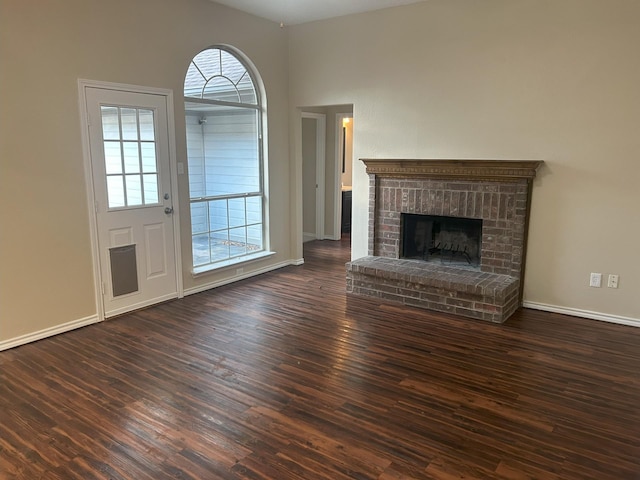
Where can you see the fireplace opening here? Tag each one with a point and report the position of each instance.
(448, 240)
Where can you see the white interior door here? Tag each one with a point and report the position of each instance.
(129, 148)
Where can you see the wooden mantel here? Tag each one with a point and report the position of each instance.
(476, 169)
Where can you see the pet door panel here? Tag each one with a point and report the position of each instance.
(124, 270)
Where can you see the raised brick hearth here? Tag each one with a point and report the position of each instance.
(497, 192)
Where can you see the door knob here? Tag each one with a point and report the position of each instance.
(168, 210)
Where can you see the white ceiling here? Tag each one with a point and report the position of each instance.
(292, 12)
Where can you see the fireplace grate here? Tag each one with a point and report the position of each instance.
(450, 252)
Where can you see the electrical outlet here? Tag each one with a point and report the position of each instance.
(613, 281)
(595, 280)
(239, 271)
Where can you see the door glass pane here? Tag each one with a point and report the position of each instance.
(112, 157)
(115, 191)
(148, 157)
(129, 123)
(131, 157)
(110, 123)
(134, 191)
(150, 184)
(146, 125)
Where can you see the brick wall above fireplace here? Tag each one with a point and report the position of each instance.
(496, 192)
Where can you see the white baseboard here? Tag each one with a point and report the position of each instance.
(307, 237)
(138, 306)
(226, 281)
(605, 317)
(47, 332)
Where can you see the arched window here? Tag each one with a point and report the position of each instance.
(225, 157)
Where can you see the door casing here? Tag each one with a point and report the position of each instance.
(83, 84)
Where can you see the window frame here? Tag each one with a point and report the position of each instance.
(260, 110)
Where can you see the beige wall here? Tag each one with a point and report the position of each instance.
(503, 79)
(46, 274)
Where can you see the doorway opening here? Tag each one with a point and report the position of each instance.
(326, 184)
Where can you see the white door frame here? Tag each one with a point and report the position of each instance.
(88, 175)
(321, 132)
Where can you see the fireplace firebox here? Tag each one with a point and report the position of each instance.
(436, 238)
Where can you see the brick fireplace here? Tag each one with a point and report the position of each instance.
(494, 194)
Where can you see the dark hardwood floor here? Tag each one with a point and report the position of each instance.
(284, 377)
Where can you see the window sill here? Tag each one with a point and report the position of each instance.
(204, 269)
